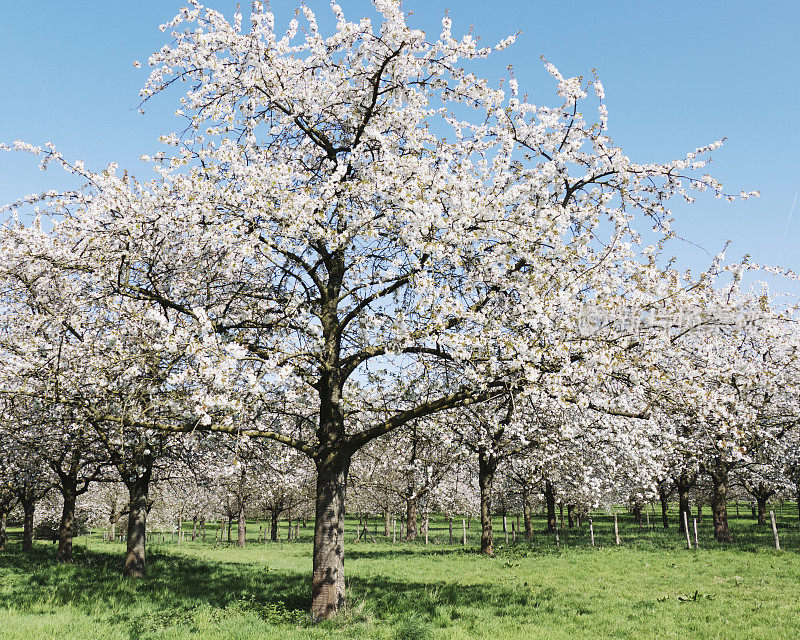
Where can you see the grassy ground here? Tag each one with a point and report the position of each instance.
(650, 587)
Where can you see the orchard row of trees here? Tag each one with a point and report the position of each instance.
(362, 255)
(239, 482)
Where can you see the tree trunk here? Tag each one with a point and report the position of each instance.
(411, 519)
(683, 507)
(66, 530)
(637, 513)
(113, 518)
(242, 540)
(550, 499)
(526, 513)
(664, 498)
(327, 596)
(137, 528)
(719, 507)
(762, 509)
(3, 520)
(684, 482)
(386, 523)
(241, 499)
(273, 527)
(28, 508)
(570, 515)
(487, 465)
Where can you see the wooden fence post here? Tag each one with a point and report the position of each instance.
(775, 530)
(686, 529)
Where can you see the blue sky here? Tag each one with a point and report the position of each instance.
(677, 75)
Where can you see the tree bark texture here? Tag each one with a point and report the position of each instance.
(550, 499)
(411, 519)
(327, 596)
(487, 465)
(719, 505)
(28, 508)
(135, 566)
(526, 513)
(242, 540)
(762, 510)
(637, 513)
(664, 498)
(66, 529)
(3, 536)
(762, 493)
(684, 482)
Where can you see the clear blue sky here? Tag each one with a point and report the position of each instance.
(677, 75)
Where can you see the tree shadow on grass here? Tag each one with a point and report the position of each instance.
(174, 584)
(441, 602)
(354, 552)
(178, 588)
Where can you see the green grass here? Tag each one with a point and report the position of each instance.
(650, 587)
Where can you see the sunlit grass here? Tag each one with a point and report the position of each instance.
(649, 587)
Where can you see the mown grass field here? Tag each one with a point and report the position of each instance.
(649, 587)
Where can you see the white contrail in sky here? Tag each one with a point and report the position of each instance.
(788, 222)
